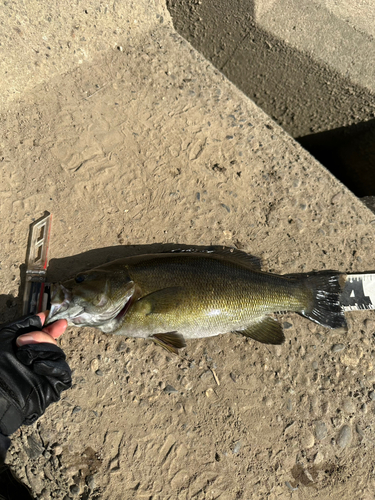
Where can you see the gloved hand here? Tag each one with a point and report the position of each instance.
(32, 376)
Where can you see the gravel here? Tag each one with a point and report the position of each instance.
(170, 390)
(338, 347)
(320, 430)
(237, 447)
(345, 436)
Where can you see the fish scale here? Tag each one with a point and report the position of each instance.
(214, 296)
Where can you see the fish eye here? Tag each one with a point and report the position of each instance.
(79, 279)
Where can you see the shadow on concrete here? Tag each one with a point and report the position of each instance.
(65, 268)
(10, 308)
(348, 153)
(301, 94)
(307, 98)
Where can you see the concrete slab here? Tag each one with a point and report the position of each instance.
(360, 14)
(148, 148)
(326, 35)
(38, 41)
(308, 69)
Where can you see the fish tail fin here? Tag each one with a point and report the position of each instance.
(324, 305)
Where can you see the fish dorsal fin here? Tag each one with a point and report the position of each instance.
(172, 341)
(225, 253)
(160, 302)
(267, 331)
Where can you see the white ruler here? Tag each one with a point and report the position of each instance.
(359, 292)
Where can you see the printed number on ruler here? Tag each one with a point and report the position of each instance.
(359, 292)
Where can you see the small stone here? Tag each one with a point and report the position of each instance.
(237, 447)
(233, 377)
(209, 392)
(206, 375)
(307, 440)
(99, 373)
(287, 325)
(352, 358)
(290, 487)
(45, 494)
(345, 436)
(318, 459)
(76, 409)
(348, 406)
(336, 421)
(187, 384)
(320, 430)
(268, 401)
(74, 489)
(369, 324)
(289, 427)
(338, 347)
(57, 450)
(35, 449)
(170, 390)
(315, 365)
(371, 395)
(90, 481)
(308, 476)
(121, 346)
(94, 365)
(314, 403)
(359, 430)
(289, 404)
(367, 365)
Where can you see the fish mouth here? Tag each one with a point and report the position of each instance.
(63, 307)
(61, 299)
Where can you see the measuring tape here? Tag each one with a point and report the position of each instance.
(37, 291)
(359, 292)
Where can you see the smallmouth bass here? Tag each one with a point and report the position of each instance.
(170, 297)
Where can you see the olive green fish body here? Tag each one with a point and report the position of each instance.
(171, 296)
(202, 297)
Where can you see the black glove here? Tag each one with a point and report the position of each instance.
(31, 377)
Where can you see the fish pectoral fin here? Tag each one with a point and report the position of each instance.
(171, 341)
(161, 301)
(267, 331)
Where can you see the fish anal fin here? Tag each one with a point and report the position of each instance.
(267, 331)
(172, 341)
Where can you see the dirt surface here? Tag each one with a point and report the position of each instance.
(152, 147)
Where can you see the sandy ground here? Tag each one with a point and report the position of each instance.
(152, 147)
